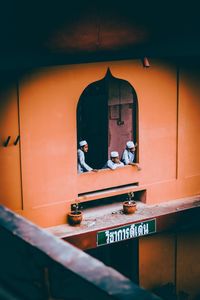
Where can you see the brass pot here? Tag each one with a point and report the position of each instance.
(74, 217)
(129, 207)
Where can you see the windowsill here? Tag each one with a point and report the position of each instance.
(134, 168)
(107, 178)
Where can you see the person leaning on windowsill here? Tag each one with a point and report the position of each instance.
(114, 161)
(128, 155)
(82, 165)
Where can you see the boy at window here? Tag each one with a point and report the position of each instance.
(82, 166)
(128, 155)
(114, 162)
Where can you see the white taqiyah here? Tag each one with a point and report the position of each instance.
(82, 143)
(130, 144)
(114, 154)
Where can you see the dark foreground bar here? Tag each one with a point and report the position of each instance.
(36, 265)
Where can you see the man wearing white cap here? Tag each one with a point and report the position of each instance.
(82, 166)
(128, 155)
(114, 162)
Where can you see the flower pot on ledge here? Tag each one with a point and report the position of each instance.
(75, 217)
(129, 207)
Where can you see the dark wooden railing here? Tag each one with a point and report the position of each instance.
(35, 265)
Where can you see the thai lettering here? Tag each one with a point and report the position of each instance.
(135, 231)
(119, 237)
(112, 237)
(132, 231)
(146, 228)
(140, 230)
(126, 232)
(107, 237)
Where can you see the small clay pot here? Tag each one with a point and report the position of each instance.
(74, 217)
(129, 207)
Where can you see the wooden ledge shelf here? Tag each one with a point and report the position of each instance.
(170, 216)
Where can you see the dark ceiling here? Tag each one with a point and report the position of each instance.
(34, 33)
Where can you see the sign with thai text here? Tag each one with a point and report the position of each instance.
(126, 232)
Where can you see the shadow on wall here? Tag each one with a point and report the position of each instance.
(168, 292)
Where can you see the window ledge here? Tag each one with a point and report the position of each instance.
(107, 178)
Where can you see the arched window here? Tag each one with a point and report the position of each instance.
(107, 117)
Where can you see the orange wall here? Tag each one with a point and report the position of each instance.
(170, 258)
(168, 127)
(156, 260)
(10, 181)
(188, 263)
(189, 124)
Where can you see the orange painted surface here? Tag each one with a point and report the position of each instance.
(92, 181)
(48, 98)
(189, 121)
(157, 260)
(188, 263)
(158, 255)
(10, 182)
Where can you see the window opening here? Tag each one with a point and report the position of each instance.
(110, 202)
(107, 117)
(118, 187)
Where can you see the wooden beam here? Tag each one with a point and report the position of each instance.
(37, 265)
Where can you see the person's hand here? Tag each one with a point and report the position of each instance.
(136, 165)
(94, 170)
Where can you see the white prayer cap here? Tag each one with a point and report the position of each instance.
(82, 143)
(130, 144)
(114, 154)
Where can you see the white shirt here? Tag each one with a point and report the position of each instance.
(110, 164)
(128, 157)
(82, 166)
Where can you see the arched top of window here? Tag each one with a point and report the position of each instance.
(110, 83)
(107, 117)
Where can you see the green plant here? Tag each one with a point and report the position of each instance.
(76, 206)
(130, 197)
